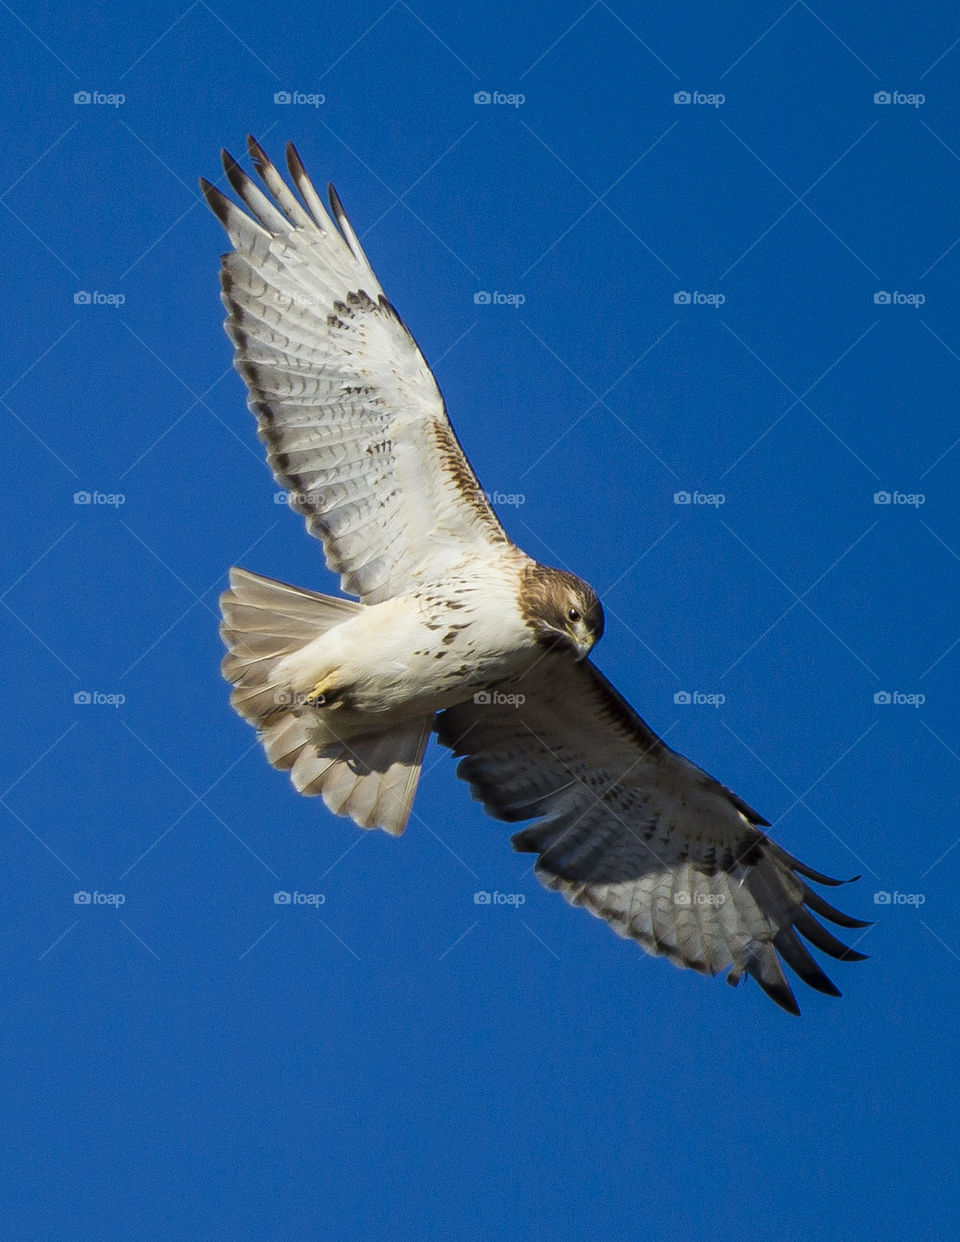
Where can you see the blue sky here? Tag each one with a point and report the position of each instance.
(724, 244)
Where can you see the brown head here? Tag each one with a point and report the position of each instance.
(560, 608)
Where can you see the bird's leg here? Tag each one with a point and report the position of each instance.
(325, 693)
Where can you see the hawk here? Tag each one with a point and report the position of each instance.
(454, 629)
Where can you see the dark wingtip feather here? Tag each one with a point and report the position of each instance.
(218, 203)
(799, 960)
(780, 995)
(826, 911)
(824, 940)
(294, 162)
(817, 876)
(235, 175)
(808, 872)
(306, 188)
(257, 153)
(766, 969)
(343, 224)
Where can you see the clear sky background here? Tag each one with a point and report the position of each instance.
(398, 1062)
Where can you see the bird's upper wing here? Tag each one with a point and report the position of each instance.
(636, 833)
(354, 423)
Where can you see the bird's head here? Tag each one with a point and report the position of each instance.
(560, 607)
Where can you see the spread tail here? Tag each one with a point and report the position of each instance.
(372, 778)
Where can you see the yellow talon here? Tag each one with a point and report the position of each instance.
(323, 693)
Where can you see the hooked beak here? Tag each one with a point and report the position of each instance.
(584, 647)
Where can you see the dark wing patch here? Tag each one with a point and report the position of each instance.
(638, 835)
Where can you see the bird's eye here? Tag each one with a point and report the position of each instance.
(574, 616)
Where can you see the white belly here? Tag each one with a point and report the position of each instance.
(406, 657)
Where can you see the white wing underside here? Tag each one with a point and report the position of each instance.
(354, 422)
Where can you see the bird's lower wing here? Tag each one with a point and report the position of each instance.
(639, 835)
(354, 423)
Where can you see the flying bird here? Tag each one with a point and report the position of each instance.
(454, 629)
